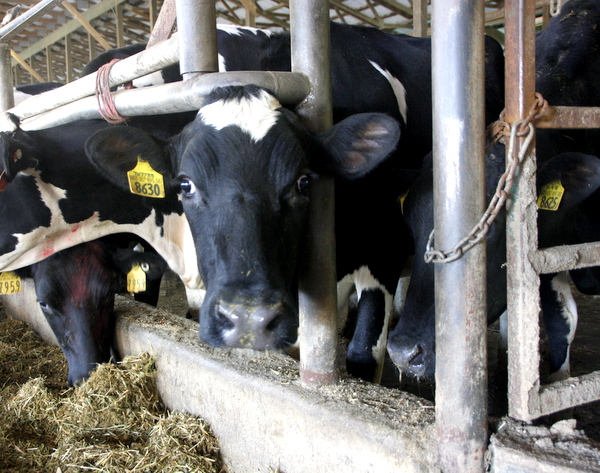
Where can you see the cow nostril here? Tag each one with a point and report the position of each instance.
(418, 354)
(227, 316)
(275, 321)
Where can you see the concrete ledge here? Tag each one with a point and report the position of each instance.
(264, 419)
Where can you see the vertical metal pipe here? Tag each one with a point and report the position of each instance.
(6, 78)
(459, 202)
(310, 43)
(197, 27)
(521, 227)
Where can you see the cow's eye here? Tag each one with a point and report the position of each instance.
(302, 183)
(43, 305)
(187, 186)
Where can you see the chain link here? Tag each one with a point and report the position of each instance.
(521, 128)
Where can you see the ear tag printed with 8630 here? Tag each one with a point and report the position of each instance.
(550, 196)
(143, 180)
(10, 283)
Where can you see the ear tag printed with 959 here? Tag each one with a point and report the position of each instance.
(136, 279)
(550, 196)
(10, 283)
(143, 180)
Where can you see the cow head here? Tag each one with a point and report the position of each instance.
(76, 290)
(16, 150)
(244, 168)
(411, 344)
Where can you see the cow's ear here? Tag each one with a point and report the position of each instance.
(116, 150)
(17, 154)
(577, 173)
(359, 143)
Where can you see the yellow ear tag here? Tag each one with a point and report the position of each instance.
(143, 180)
(10, 283)
(136, 279)
(550, 196)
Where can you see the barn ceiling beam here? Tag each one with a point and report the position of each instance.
(86, 24)
(70, 27)
(26, 66)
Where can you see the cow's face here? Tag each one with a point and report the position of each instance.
(244, 168)
(75, 289)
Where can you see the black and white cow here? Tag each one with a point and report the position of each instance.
(76, 290)
(54, 198)
(567, 64)
(244, 168)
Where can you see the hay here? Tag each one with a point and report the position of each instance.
(114, 422)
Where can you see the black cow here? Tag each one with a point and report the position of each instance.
(244, 168)
(567, 60)
(76, 290)
(23, 92)
(411, 344)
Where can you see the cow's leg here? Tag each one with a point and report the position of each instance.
(560, 320)
(367, 349)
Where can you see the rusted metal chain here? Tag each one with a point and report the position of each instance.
(106, 105)
(521, 128)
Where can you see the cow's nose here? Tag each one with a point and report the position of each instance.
(409, 357)
(250, 326)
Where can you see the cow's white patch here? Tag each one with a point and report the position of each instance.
(7, 125)
(254, 115)
(397, 87)
(561, 285)
(20, 97)
(238, 30)
(176, 245)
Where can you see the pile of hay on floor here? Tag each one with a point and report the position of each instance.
(114, 422)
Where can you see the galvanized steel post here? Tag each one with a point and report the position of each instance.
(6, 87)
(310, 42)
(197, 29)
(459, 202)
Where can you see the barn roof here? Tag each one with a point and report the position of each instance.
(58, 44)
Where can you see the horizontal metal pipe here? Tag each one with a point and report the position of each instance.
(563, 258)
(156, 58)
(19, 23)
(290, 88)
(570, 117)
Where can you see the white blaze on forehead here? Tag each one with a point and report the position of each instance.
(397, 87)
(254, 115)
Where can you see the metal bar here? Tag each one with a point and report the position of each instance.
(164, 23)
(523, 301)
(159, 56)
(310, 43)
(197, 27)
(570, 117)
(563, 258)
(18, 24)
(459, 200)
(175, 97)
(6, 79)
